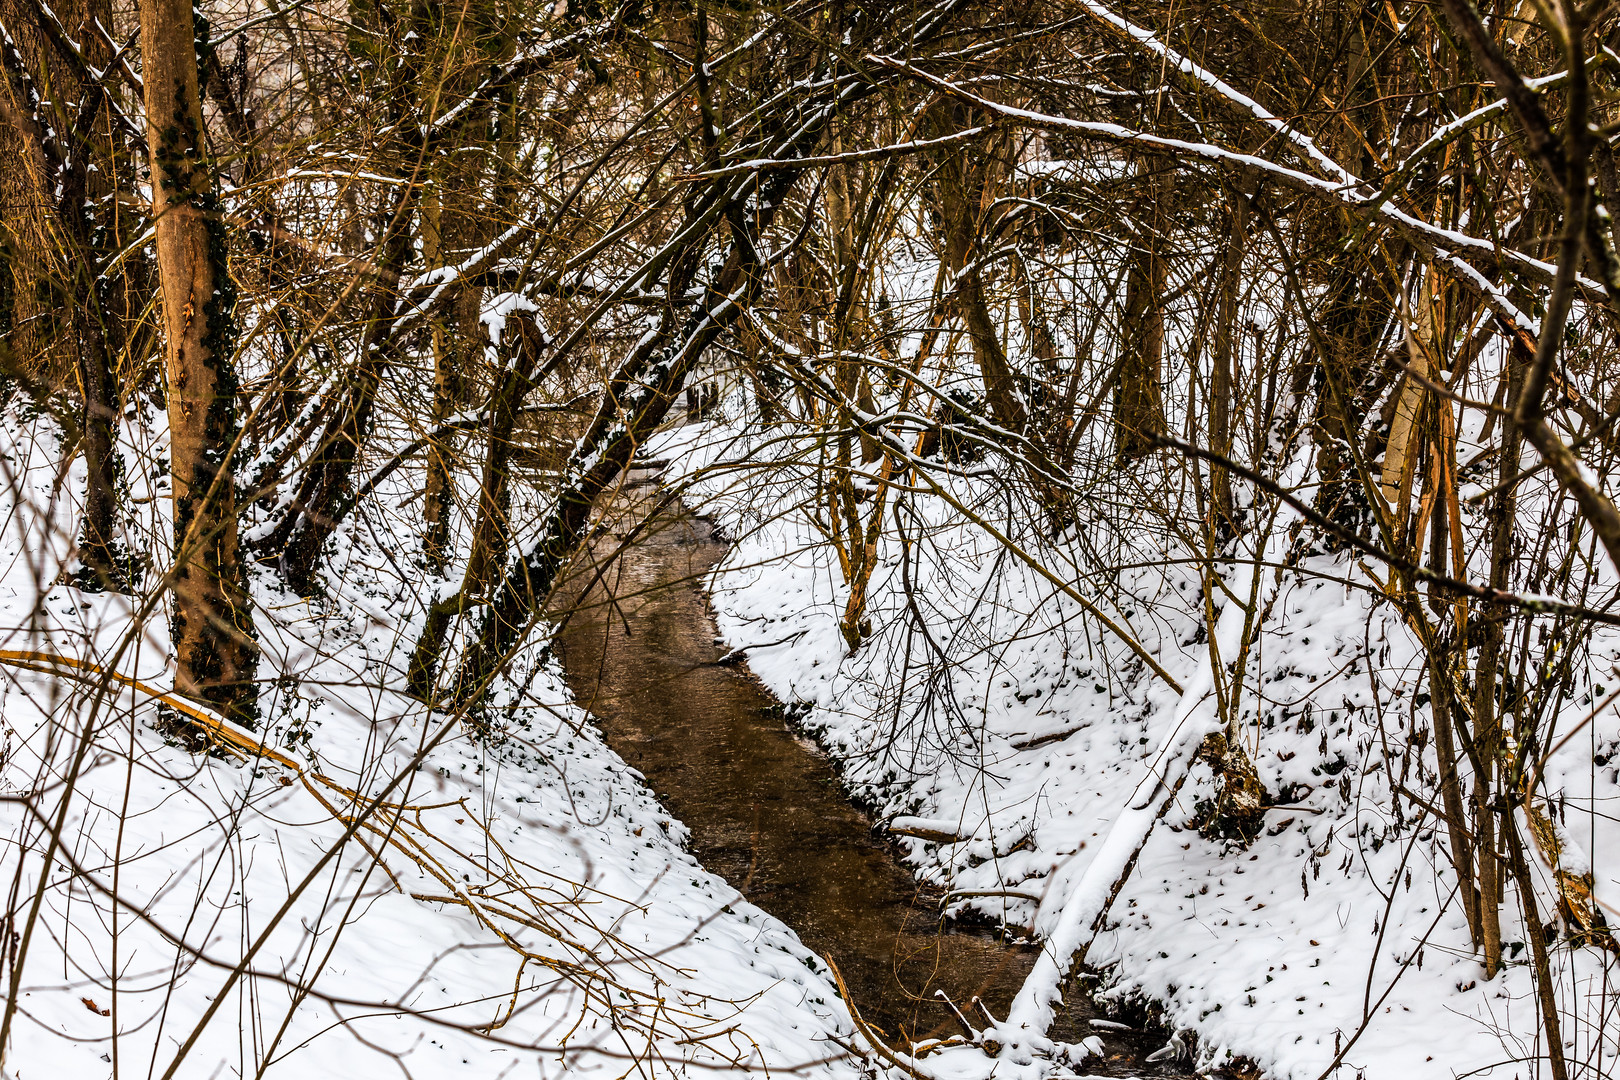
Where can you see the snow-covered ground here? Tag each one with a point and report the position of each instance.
(987, 705)
(531, 913)
(532, 909)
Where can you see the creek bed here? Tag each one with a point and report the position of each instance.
(764, 807)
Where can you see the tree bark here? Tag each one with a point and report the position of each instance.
(212, 625)
(492, 532)
(59, 233)
(1225, 361)
(1492, 638)
(437, 493)
(1138, 399)
(31, 297)
(965, 180)
(1347, 378)
(1546, 988)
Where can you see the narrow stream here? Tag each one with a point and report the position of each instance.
(763, 805)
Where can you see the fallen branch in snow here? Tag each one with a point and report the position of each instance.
(972, 894)
(872, 1038)
(932, 829)
(223, 730)
(1037, 741)
(740, 653)
(933, 836)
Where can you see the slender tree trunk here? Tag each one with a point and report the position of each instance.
(437, 492)
(965, 181)
(1224, 362)
(1001, 386)
(1492, 634)
(212, 626)
(1457, 820)
(31, 297)
(59, 235)
(1352, 323)
(106, 563)
(492, 532)
(1546, 989)
(90, 208)
(1138, 400)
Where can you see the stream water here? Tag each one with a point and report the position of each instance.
(764, 807)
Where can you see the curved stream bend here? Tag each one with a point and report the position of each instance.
(764, 808)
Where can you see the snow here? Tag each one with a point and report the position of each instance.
(575, 935)
(1071, 909)
(1334, 939)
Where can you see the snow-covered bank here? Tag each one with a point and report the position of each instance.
(985, 704)
(518, 910)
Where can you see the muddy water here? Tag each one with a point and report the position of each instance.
(764, 808)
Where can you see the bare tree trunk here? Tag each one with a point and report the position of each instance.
(437, 492)
(1546, 990)
(1001, 387)
(212, 626)
(89, 207)
(1492, 635)
(1351, 324)
(106, 563)
(492, 533)
(1225, 359)
(31, 303)
(59, 234)
(1138, 400)
(1457, 821)
(964, 183)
